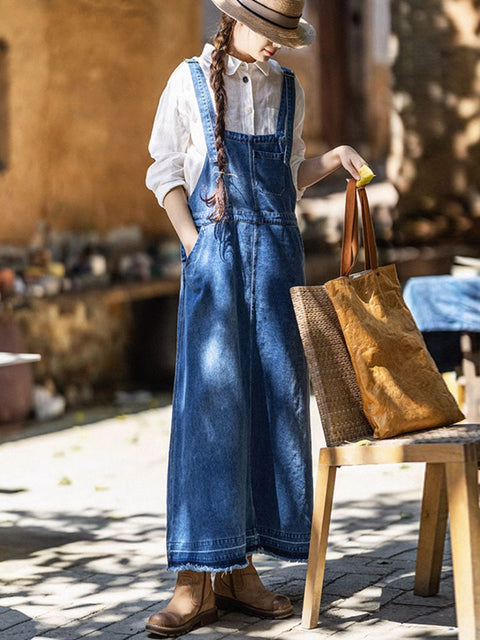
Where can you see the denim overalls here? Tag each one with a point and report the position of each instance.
(239, 474)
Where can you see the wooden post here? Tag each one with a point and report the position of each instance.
(332, 41)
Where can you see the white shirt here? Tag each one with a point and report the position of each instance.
(177, 144)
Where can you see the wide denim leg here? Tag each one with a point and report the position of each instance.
(281, 451)
(240, 476)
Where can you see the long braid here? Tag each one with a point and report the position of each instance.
(217, 81)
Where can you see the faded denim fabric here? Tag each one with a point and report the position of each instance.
(444, 303)
(240, 468)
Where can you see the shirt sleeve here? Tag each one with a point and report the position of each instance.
(298, 146)
(170, 137)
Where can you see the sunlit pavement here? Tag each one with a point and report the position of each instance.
(82, 544)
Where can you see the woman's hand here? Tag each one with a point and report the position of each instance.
(350, 160)
(314, 169)
(176, 206)
(189, 242)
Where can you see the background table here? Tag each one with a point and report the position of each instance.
(7, 359)
(447, 312)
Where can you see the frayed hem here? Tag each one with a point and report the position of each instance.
(203, 567)
(240, 565)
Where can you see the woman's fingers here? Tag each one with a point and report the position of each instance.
(354, 171)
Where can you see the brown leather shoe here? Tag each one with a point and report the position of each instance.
(243, 590)
(192, 605)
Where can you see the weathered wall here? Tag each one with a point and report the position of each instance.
(85, 78)
(436, 105)
(22, 186)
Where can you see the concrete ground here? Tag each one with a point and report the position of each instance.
(82, 543)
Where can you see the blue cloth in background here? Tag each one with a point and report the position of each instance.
(444, 303)
(443, 307)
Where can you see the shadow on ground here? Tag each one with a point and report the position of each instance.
(113, 576)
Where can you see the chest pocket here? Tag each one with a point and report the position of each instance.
(269, 170)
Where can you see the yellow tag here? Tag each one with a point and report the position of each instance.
(366, 175)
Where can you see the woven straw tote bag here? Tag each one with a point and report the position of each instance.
(400, 386)
(334, 383)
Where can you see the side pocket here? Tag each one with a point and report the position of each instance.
(192, 256)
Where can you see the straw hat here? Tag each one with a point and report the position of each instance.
(278, 20)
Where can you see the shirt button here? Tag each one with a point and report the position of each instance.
(248, 110)
(245, 79)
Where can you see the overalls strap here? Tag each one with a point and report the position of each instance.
(207, 111)
(286, 114)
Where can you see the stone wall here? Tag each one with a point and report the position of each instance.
(83, 342)
(94, 342)
(84, 81)
(435, 152)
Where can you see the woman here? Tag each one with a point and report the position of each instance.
(229, 167)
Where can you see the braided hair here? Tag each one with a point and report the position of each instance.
(221, 43)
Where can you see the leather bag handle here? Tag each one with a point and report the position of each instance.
(369, 242)
(350, 230)
(350, 242)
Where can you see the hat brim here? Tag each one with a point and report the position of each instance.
(302, 36)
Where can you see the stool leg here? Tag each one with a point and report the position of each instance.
(318, 545)
(462, 489)
(433, 526)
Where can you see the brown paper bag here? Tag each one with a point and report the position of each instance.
(401, 387)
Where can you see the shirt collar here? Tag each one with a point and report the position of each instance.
(234, 63)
